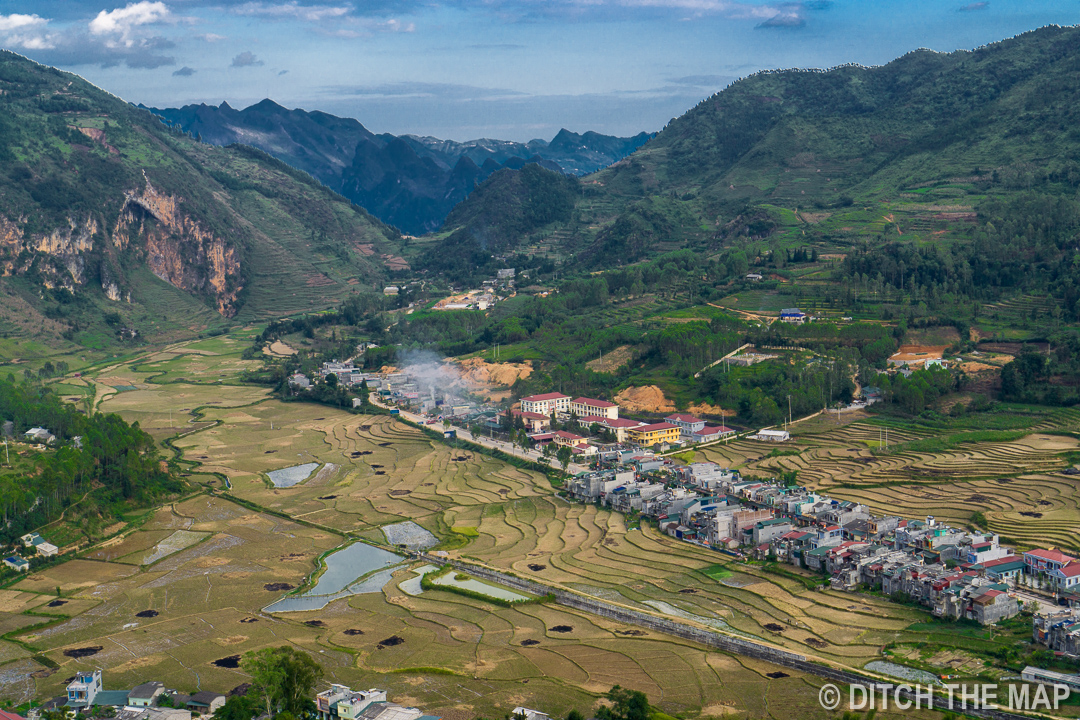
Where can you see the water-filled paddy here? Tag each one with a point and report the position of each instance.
(287, 477)
(343, 568)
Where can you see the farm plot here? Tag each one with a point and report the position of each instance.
(1015, 485)
(190, 616)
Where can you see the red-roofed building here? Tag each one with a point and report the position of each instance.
(710, 433)
(657, 433)
(546, 403)
(1041, 562)
(588, 407)
(5, 715)
(534, 422)
(1066, 578)
(687, 424)
(618, 426)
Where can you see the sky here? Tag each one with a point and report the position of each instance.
(507, 69)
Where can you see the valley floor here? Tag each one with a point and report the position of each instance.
(209, 564)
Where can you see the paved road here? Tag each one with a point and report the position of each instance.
(531, 455)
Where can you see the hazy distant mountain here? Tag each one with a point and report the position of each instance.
(409, 181)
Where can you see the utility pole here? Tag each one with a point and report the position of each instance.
(788, 411)
(7, 452)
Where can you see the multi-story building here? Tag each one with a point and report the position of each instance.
(588, 407)
(546, 403)
(687, 424)
(339, 701)
(657, 433)
(84, 688)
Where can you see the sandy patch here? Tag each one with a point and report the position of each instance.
(974, 367)
(484, 374)
(614, 360)
(717, 710)
(644, 399)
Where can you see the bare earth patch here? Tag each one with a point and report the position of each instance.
(644, 399)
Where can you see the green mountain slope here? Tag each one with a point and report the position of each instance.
(804, 156)
(105, 212)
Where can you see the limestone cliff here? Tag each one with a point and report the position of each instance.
(150, 225)
(178, 249)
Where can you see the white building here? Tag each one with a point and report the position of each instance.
(588, 407)
(772, 435)
(546, 403)
(84, 688)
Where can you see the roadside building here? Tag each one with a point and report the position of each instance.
(648, 435)
(546, 403)
(687, 424)
(589, 407)
(772, 435)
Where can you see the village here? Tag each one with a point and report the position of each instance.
(86, 696)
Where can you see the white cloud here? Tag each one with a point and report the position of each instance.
(293, 10)
(119, 24)
(25, 31)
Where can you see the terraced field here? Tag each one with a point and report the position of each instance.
(1016, 484)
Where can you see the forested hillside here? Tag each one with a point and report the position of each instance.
(932, 139)
(100, 462)
(113, 227)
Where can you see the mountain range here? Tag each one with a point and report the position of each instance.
(407, 181)
(105, 211)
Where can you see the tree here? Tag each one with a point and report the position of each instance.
(563, 455)
(283, 678)
(625, 705)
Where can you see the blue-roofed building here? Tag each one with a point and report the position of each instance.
(794, 316)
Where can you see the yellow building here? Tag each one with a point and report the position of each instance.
(647, 435)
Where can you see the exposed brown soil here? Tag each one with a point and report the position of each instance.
(231, 662)
(773, 627)
(1004, 481)
(536, 567)
(83, 651)
(632, 633)
(644, 399)
(562, 629)
(390, 642)
(814, 642)
(365, 427)
(147, 613)
(399, 493)
(688, 591)
(529, 643)
(354, 631)
(278, 586)
(978, 499)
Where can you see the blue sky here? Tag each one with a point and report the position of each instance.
(510, 69)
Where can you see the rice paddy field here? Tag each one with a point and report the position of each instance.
(185, 593)
(1008, 481)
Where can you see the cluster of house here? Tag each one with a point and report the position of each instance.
(32, 543)
(953, 572)
(339, 702)
(149, 701)
(537, 411)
